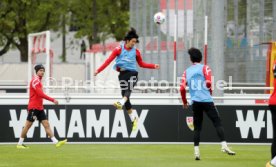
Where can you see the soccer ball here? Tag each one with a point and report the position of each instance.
(159, 18)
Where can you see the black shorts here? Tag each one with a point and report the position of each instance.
(34, 114)
(211, 111)
(128, 79)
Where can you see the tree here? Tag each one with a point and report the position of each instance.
(95, 19)
(21, 17)
(98, 20)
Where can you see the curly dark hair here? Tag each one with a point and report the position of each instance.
(131, 34)
(195, 55)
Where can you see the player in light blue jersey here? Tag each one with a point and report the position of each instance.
(198, 79)
(127, 56)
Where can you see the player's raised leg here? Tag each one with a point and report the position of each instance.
(134, 120)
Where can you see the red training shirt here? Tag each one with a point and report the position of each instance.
(37, 95)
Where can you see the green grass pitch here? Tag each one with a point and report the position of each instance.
(132, 155)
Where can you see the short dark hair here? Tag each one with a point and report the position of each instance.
(195, 55)
(131, 34)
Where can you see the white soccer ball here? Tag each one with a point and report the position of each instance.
(159, 18)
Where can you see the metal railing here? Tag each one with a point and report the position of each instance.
(102, 90)
(135, 88)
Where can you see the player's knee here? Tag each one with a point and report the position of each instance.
(46, 125)
(28, 126)
(127, 93)
(128, 106)
(216, 122)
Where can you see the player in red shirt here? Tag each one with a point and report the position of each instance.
(36, 109)
(127, 56)
(272, 107)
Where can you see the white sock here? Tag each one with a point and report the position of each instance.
(131, 116)
(196, 148)
(54, 140)
(273, 161)
(223, 144)
(123, 101)
(20, 142)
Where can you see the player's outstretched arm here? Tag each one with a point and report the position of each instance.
(41, 94)
(144, 64)
(112, 56)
